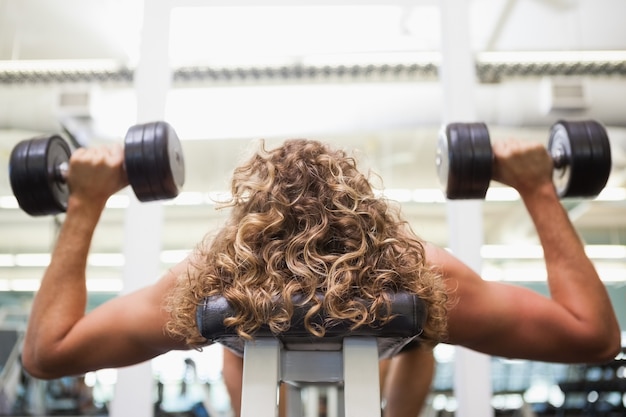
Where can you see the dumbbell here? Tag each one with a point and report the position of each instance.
(153, 162)
(580, 152)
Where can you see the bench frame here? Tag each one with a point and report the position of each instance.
(354, 368)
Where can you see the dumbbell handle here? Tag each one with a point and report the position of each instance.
(559, 157)
(61, 171)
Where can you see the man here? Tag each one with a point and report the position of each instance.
(575, 324)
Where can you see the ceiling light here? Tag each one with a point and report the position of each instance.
(606, 251)
(189, 198)
(8, 202)
(24, 285)
(105, 285)
(507, 252)
(501, 194)
(106, 259)
(511, 252)
(428, 195)
(401, 195)
(173, 256)
(32, 259)
(118, 201)
(612, 194)
(7, 260)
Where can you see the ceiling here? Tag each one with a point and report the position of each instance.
(359, 74)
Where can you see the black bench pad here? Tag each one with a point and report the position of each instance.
(408, 310)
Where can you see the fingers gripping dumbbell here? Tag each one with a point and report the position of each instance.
(580, 151)
(153, 162)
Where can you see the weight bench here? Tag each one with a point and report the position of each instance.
(344, 358)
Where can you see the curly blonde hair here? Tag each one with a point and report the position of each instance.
(305, 221)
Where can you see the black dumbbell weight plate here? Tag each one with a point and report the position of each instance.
(154, 161)
(582, 158)
(482, 160)
(464, 160)
(34, 173)
(442, 161)
(134, 161)
(170, 160)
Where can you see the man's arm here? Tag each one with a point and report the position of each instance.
(60, 338)
(576, 323)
